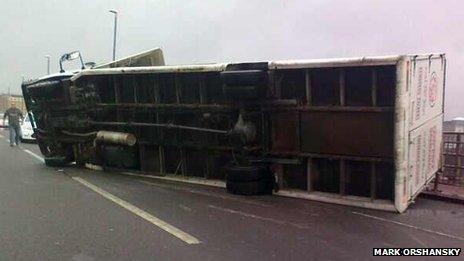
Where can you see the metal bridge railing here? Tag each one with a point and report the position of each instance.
(453, 159)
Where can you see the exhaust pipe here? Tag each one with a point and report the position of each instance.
(113, 137)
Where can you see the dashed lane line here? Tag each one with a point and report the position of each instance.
(26, 150)
(33, 155)
(187, 238)
(409, 226)
(202, 193)
(271, 220)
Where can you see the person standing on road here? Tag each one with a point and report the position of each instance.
(15, 117)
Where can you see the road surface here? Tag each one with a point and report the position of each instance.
(74, 214)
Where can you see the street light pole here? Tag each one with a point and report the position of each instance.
(48, 63)
(114, 34)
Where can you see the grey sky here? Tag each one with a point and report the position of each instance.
(236, 30)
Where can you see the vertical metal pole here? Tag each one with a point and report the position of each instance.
(342, 87)
(308, 87)
(202, 90)
(458, 158)
(373, 180)
(298, 130)
(114, 32)
(208, 166)
(280, 176)
(342, 177)
(142, 156)
(178, 88)
(278, 84)
(48, 63)
(374, 87)
(183, 160)
(116, 95)
(156, 89)
(161, 160)
(114, 35)
(265, 131)
(309, 185)
(134, 89)
(116, 89)
(157, 99)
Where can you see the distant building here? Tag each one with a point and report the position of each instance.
(6, 100)
(454, 125)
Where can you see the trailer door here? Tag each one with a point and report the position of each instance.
(426, 83)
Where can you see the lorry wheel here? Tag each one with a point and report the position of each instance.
(244, 77)
(247, 173)
(260, 187)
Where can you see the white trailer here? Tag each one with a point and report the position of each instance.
(363, 131)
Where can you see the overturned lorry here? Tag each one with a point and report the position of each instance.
(359, 131)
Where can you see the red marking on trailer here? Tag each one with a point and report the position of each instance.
(433, 89)
(432, 147)
(418, 159)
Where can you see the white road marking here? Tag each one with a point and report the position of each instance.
(409, 226)
(135, 210)
(418, 240)
(26, 150)
(207, 194)
(279, 222)
(191, 180)
(187, 238)
(33, 155)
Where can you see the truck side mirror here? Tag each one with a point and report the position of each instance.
(69, 57)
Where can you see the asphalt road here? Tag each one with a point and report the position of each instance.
(74, 214)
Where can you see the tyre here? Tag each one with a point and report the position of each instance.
(260, 187)
(247, 173)
(244, 77)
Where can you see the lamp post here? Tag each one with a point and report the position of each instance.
(48, 63)
(114, 34)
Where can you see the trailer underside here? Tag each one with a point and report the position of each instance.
(324, 132)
